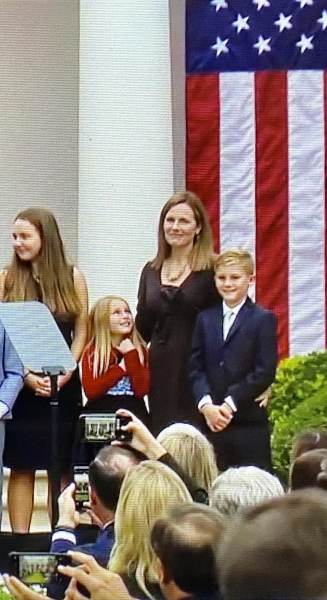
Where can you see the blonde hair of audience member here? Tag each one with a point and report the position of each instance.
(147, 493)
(308, 440)
(192, 451)
(99, 334)
(236, 256)
(54, 271)
(202, 253)
(240, 488)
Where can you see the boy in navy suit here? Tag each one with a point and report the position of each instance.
(233, 361)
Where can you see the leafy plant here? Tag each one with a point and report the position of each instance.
(310, 414)
(299, 402)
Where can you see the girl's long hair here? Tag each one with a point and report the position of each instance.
(202, 255)
(99, 336)
(148, 492)
(55, 274)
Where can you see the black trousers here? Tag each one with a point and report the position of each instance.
(241, 445)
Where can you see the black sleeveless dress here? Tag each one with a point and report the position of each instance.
(28, 434)
(165, 317)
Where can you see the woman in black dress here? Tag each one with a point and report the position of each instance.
(39, 271)
(173, 288)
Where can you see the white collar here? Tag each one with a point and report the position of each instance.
(236, 309)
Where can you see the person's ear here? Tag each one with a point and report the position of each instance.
(252, 279)
(163, 576)
(93, 497)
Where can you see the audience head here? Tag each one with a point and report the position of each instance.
(238, 257)
(202, 242)
(277, 550)
(193, 452)
(106, 474)
(101, 330)
(240, 488)
(186, 543)
(308, 440)
(39, 263)
(149, 490)
(306, 468)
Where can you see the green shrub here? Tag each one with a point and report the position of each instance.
(299, 401)
(297, 379)
(310, 414)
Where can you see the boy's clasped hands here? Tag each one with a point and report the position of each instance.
(217, 417)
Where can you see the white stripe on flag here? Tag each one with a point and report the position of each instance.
(306, 212)
(237, 161)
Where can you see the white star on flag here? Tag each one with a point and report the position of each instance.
(219, 4)
(323, 20)
(305, 3)
(220, 46)
(241, 23)
(283, 22)
(262, 45)
(261, 3)
(305, 43)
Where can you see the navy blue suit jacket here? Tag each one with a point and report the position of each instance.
(100, 550)
(242, 366)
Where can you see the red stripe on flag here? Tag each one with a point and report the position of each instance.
(272, 198)
(202, 143)
(325, 111)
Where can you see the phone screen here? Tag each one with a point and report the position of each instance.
(99, 428)
(81, 479)
(37, 568)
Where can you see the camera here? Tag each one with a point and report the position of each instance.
(104, 428)
(37, 568)
(81, 480)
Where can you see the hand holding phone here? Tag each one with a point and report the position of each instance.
(37, 568)
(104, 427)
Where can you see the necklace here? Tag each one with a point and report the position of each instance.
(36, 277)
(172, 274)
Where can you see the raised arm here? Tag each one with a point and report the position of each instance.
(95, 387)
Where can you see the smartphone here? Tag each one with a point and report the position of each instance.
(37, 568)
(104, 428)
(81, 480)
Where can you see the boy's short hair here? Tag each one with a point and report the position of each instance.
(277, 550)
(238, 256)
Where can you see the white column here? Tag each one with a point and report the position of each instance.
(125, 139)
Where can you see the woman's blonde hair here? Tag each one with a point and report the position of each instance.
(202, 255)
(192, 451)
(55, 274)
(148, 492)
(99, 335)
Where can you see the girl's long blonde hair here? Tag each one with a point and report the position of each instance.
(148, 492)
(55, 274)
(99, 335)
(192, 451)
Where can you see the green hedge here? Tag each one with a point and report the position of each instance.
(299, 402)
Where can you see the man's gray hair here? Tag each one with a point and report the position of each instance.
(240, 488)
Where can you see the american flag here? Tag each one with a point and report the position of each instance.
(256, 108)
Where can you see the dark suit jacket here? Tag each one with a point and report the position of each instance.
(242, 366)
